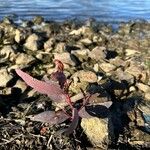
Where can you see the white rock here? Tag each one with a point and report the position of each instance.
(5, 77)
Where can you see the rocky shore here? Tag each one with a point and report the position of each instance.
(113, 63)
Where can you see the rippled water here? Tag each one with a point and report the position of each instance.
(105, 10)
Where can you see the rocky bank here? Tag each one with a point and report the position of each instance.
(113, 63)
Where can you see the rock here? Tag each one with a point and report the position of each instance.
(96, 130)
(5, 77)
(38, 20)
(143, 87)
(32, 42)
(60, 47)
(98, 53)
(147, 96)
(86, 31)
(21, 85)
(48, 45)
(131, 52)
(137, 71)
(8, 53)
(24, 59)
(86, 76)
(20, 35)
(124, 76)
(107, 67)
(86, 41)
(117, 61)
(65, 58)
(139, 139)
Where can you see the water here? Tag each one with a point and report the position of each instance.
(103, 10)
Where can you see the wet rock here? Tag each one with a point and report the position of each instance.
(32, 42)
(65, 57)
(98, 53)
(86, 76)
(5, 77)
(107, 67)
(96, 130)
(24, 59)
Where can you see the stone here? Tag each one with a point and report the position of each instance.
(143, 87)
(32, 42)
(131, 52)
(8, 52)
(21, 85)
(65, 58)
(20, 35)
(98, 53)
(38, 20)
(107, 67)
(86, 41)
(5, 77)
(96, 130)
(49, 44)
(124, 76)
(147, 96)
(137, 71)
(86, 76)
(24, 59)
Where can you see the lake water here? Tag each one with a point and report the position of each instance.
(103, 10)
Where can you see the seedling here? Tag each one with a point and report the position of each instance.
(57, 90)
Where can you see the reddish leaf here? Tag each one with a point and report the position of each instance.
(50, 117)
(51, 88)
(60, 77)
(74, 123)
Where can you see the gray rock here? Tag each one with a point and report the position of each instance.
(98, 53)
(107, 67)
(86, 76)
(65, 58)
